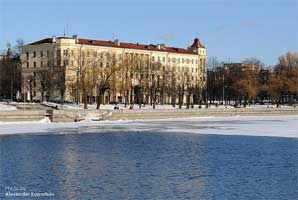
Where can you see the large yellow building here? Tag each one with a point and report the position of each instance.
(139, 69)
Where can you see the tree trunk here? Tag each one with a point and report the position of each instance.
(180, 101)
(98, 101)
(278, 103)
(125, 98)
(85, 99)
(173, 101)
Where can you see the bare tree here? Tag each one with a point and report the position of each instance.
(83, 64)
(10, 73)
(104, 77)
(283, 82)
(254, 61)
(212, 62)
(44, 77)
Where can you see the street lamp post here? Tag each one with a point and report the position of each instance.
(223, 89)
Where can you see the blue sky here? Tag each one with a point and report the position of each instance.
(232, 30)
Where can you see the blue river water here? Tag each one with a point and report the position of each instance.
(148, 165)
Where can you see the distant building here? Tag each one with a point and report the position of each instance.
(66, 51)
(243, 66)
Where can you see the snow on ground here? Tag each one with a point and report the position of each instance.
(149, 107)
(4, 107)
(275, 126)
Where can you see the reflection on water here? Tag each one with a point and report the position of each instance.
(150, 165)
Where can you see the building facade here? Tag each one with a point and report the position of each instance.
(135, 71)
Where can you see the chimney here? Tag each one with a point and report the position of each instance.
(76, 38)
(53, 38)
(117, 42)
(161, 46)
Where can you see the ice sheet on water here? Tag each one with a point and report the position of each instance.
(278, 126)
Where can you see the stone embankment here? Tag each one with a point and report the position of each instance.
(78, 115)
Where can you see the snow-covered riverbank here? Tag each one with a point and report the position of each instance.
(276, 126)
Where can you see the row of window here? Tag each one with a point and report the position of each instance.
(34, 54)
(201, 51)
(177, 60)
(107, 64)
(66, 52)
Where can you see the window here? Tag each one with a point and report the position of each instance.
(153, 58)
(108, 64)
(34, 74)
(34, 54)
(34, 93)
(34, 64)
(41, 54)
(65, 52)
(182, 60)
(48, 53)
(101, 64)
(107, 55)
(192, 70)
(58, 52)
(191, 61)
(41, 64)
(178, 60)
(163, 59)
(34, 83)
(65, 62)
(27, 64)
(27, 55)
(196, 69)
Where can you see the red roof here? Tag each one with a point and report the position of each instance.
(197, 43)
(150, 47)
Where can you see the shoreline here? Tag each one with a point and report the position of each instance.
(114, 115)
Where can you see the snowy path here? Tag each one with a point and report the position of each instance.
(276, 126)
